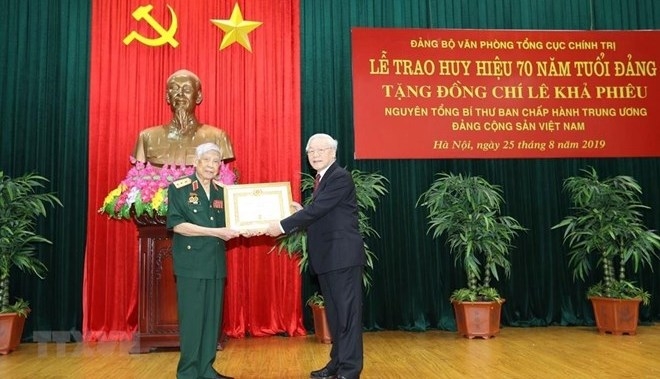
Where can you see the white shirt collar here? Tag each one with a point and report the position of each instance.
(322, 172)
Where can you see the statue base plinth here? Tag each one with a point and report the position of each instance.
(158, 325)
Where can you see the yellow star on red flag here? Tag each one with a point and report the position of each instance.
(236, 29)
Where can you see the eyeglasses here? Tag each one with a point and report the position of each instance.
(320, 151)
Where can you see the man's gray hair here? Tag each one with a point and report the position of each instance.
(333, 142)
(205, 148)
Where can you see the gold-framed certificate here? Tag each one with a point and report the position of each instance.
(251, 207)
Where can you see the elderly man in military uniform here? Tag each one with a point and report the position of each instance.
(175, 142)
(197, 217)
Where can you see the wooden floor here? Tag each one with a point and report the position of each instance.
(546, 352)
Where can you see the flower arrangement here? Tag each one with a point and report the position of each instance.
(144, 190)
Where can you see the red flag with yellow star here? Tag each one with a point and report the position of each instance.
(246, 56)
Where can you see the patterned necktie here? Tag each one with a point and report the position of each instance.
(317, 179)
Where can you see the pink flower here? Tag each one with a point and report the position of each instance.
(144, 181)
(226, 175)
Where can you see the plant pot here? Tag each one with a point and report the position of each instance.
(321, 329)
(11, 330)
(478, 319)
(616, 316)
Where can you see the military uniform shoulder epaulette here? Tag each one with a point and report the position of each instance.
(182, 182)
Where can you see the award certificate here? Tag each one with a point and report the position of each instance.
(253, 206)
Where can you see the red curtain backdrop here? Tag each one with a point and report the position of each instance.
(254, 96)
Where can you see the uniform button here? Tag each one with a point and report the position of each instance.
(194, 210)
(211, 217)
(188, 247)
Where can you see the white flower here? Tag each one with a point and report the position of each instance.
(132, 195)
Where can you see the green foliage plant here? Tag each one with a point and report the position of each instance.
(20, 206)
(316, 299)
(466, 210)
(606, 221)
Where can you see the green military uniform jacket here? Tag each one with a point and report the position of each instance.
(197, 257)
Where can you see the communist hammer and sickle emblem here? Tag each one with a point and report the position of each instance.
(166, 36)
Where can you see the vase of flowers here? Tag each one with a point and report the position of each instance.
(143, 192)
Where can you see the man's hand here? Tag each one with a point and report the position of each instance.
(226, 234)
(296, 206)
(251, 233)
(274, 229)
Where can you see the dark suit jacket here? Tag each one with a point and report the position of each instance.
(333, 236)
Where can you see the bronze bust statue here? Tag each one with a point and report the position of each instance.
(175, 142)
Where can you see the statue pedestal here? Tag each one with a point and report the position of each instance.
(157, 311)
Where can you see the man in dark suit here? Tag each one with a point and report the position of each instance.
(196, 215)
(336, 255)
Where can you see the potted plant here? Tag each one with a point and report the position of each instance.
(466, 209)
(606, 221)
(321, 328)
(20, 206)
(369, 188)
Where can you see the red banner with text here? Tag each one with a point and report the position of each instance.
(439, 93)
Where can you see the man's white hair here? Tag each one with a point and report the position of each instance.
(333, 142)
(205, 148)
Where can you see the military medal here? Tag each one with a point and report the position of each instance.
(193, 199)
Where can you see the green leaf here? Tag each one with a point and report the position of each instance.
(606, 222)
(466, 211)
(21, 205)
